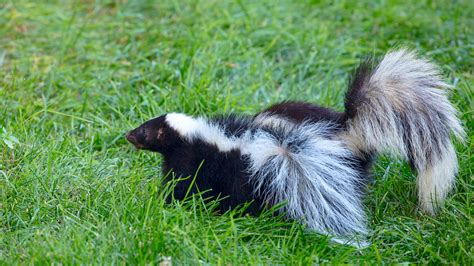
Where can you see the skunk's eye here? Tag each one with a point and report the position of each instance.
(144, 133)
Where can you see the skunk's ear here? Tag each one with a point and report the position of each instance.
(155, 135)
(160, 134)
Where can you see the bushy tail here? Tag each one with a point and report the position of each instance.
(400, 107)
(312, 173)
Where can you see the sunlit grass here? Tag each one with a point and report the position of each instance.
(75, 76)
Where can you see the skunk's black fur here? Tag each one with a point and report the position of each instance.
(315, 159)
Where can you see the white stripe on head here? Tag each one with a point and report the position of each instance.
(184, 124)
(192, 128)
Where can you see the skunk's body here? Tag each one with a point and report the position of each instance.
(315, 159)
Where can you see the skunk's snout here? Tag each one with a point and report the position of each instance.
(132, 138)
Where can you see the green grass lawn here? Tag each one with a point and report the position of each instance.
(76, 75)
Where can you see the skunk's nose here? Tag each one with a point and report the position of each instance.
(131, 138)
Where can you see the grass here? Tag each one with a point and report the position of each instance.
(76, 75)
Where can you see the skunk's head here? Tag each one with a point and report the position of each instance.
(154, 135)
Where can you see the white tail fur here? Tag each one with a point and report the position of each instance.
(401, 107)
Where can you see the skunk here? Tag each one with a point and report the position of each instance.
(314, 161)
